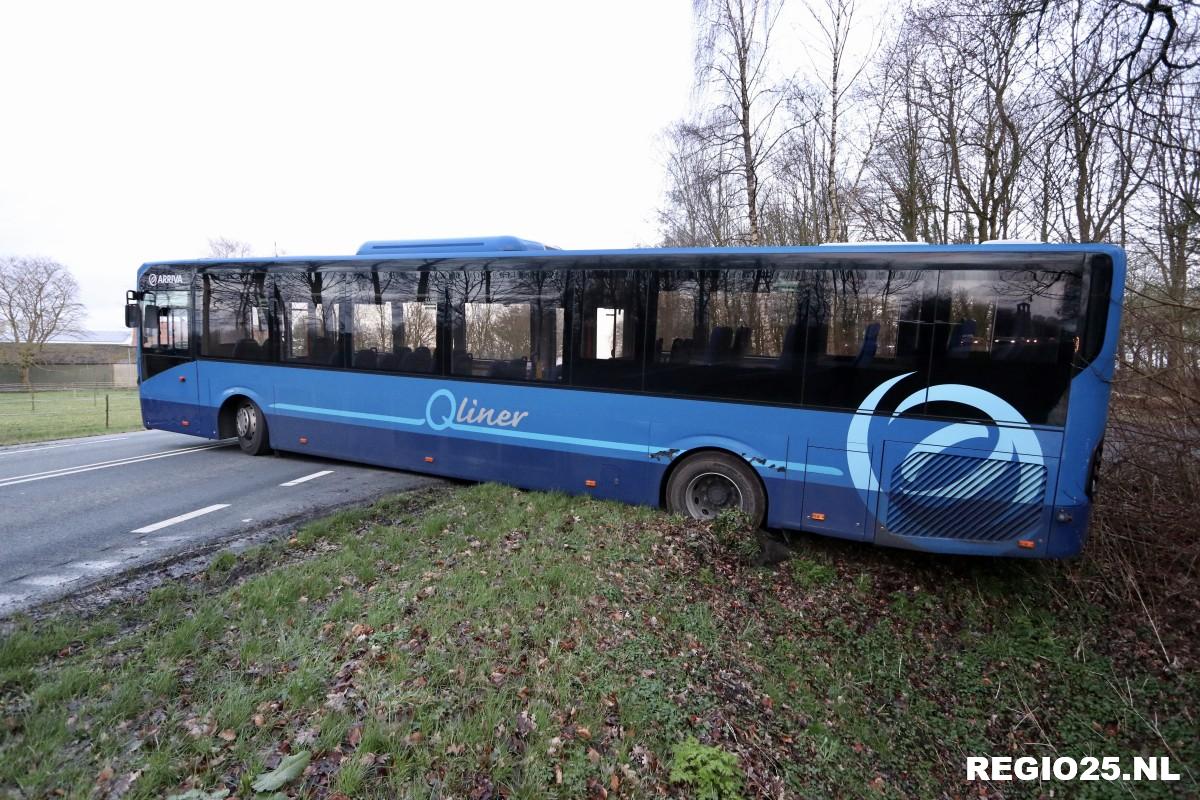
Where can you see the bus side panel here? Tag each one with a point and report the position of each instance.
(524, 435)
(170, 401)
(962, 500)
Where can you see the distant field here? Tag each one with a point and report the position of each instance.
(61, 414)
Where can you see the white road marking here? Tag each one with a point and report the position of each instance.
(181, 518)
(307, 477)
(93, 566)
(50, 580)
(64, 471)
(56, 446)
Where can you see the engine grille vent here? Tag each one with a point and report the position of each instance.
(961, 497)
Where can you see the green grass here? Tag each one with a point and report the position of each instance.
(61, 414)
(484, 641)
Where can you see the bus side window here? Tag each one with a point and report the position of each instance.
(235, 316)
(609, 332)
(311, 324)
(508, 324)
(864, 327)
(1010, 332)
(395, 322)
(725, 334)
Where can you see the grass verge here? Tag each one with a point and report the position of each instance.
(485, 642)
(62, 414)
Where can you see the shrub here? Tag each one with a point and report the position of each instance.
(710, 772)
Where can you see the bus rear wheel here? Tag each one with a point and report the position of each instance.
(708, 483)
(251, 428)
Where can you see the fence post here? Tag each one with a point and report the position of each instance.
(105, 412)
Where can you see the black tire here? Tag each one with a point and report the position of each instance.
(707, 483)
(250, 425)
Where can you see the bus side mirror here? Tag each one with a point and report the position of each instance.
(131, 317)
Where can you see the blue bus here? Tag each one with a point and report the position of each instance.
(949, 399)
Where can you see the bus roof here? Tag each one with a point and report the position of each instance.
(470, 244)
(502, 247)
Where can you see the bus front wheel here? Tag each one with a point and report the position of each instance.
(708, 483)
(252, 429)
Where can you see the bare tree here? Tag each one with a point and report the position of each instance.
(732, 59)
(700, 208)
(224, 247)
(39, 299)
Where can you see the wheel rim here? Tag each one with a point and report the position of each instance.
(709, 494)
(247, 422)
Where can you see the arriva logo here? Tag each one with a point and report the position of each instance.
(1014, 441)
(443, 411)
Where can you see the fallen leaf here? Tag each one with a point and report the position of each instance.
(526, 724)
(229, 734)
(288, 770)
(200, 794)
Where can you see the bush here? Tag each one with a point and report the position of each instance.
(710, 772)
(735, 535)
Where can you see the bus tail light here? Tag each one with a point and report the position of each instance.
(1026, 544)
(589, 483)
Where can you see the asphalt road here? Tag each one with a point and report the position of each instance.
(79, 510)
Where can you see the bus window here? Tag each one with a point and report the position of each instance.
(609, 331)
(235, 316)
(724, 334)
(1010, 332)
(508, 325)
(394, 328)
(311, 325)
(165, 322)
(864, 327)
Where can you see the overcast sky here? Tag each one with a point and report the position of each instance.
(134, 132)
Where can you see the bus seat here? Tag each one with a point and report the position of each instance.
(787, 354)
(366, 359)
(866, 353)
(741, 342)
(388, 361)
(420, 360)
(679, 351)
(720, 344)
(247, 350)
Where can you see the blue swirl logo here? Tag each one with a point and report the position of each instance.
(1015, 440)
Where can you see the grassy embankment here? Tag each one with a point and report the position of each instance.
(61, 414)
(485, 642)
